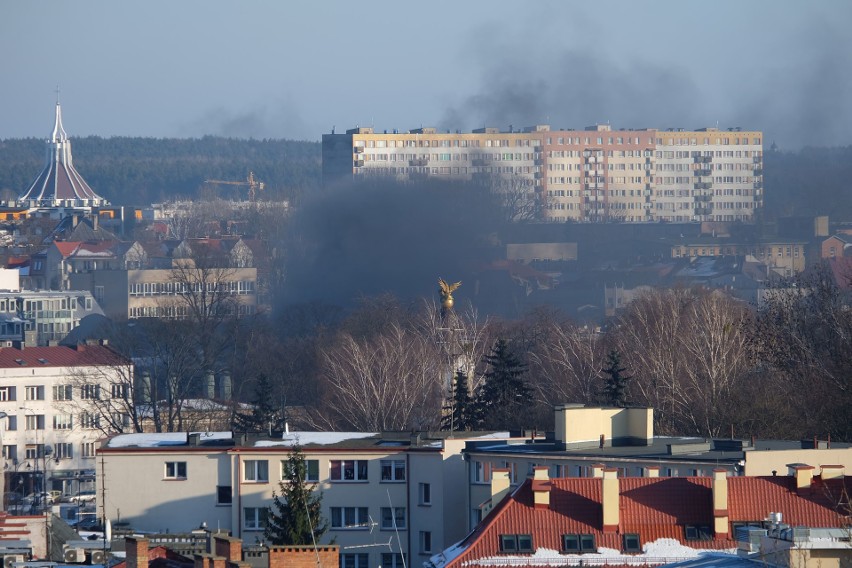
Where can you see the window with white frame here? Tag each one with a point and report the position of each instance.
(425, 541)
(349, 470)
(254, 518)
(63, 451)
(393, 517)
(62, 422)
(256, 471)
(175, 470)
(88, 420)
(34, 392)
(90, 392)
(7, 394)
(35, 422)
(88, 449)
(62, 392)
(393, 470)
(350, 518)
(118, 390)
(311, 470)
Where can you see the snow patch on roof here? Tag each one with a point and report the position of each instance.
(161, 439)
(319, 438)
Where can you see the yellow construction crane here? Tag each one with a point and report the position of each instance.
(253, 184)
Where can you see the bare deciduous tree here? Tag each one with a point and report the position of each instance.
(389, 381)
(568, 364)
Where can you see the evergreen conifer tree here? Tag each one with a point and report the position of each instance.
(504, 395)
(266, 412)
(461, 406)
(296, 516)
(615, 381)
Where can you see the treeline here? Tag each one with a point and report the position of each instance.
(140, 171)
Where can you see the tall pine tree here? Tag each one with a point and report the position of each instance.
(505, 394)
(267, 411)
(460, 410)
(296, 516)
(615, 381)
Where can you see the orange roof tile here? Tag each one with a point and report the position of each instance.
(653, 508)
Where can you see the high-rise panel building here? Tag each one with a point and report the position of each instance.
(592, 175)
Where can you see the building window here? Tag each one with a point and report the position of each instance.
(62, 392)
(631, 543)
(481, 472)
(118, 390)
(62, 422)
(35, 422)
(10, 453)
(354, 560)
(393, 518)
(311, 470)
(90, 392)
(393, 470)
(7, 394)
(254, 518)
(349, 518)
(89, 421)
(63, 451)
(224, 495)
(348, 470)
(578, 543)
(392, 560)
(424, 492)
(34, 393)
(425, 541)
(698, 532)
(256, 471)
(511, 543)
(175, 470)
(88, 449)
(34, 451)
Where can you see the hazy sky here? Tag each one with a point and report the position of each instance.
(282, 69)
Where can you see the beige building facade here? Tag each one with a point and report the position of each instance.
(380, 493)
(593, 175)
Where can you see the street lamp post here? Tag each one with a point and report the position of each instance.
(5, 457)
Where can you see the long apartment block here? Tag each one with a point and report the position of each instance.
(597, 174)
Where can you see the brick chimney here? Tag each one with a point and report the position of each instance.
(804, 475)
(652, 471)
(229, 547)
(136, 551)
(831, 472)
(541, 488)
(610, 499)
(720, 502)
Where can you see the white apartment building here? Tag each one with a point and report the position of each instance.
(382, 494)
(593, 175)
(56, 403)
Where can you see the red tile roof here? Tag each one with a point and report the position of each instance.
(59, 356)
(653, 508)
(162, 557)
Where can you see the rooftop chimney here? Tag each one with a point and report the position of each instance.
(831, 472)
(541, 488)
(500, 487)
(597, 469)
(804, 475)
(610, 499)
(137, 552)
(720, 502)
(652, 471)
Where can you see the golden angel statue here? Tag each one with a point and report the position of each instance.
(447, 292)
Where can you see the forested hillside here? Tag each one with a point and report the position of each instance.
(139, 171)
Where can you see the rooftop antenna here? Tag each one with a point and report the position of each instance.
(57, 93)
